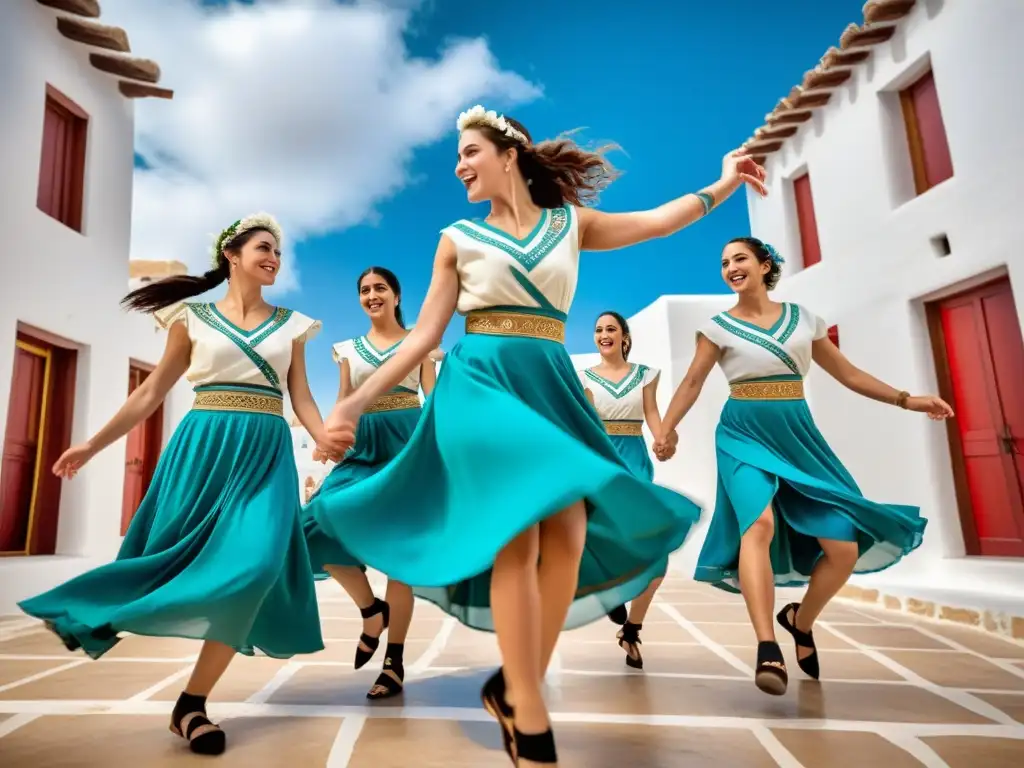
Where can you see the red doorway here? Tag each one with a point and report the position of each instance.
(980, 360)
(37, 431)
(141, 452)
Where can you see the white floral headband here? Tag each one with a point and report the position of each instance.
(249, 223)
(480, 116)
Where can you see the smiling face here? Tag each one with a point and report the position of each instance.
(376, 296)
(257, 259)
(482, 165)
(742, 271)
(608, 336)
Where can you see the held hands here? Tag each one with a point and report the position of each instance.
(738, 167)
(936, 408)
(72, 460)
(665, 445)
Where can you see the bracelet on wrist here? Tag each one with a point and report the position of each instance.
(707, 200)
(901, 399)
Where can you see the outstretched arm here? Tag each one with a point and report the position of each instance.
(601, 231)
(835, 363)
(686, 394)
(437, 310)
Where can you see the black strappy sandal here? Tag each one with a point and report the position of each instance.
(770, 675)
(629, 639)
(385, 686)
(379, 606)
(493, 697)
(189, 721)
(809, 664)
(618, 615)
(536, 747)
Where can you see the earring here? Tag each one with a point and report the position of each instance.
(508, 168)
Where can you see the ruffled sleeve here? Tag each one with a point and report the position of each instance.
(651, 375)
(340, 351)
(710, 330)
(304, 328)
(582, 375)
(168, 316)
(819, 326)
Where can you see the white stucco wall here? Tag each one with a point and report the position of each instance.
(878, 264)
(67, 283)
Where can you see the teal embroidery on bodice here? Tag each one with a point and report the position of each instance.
(620, 389)
(794, 321)
(762, 341)
(210, 315)
(554, 222)
(365, 349)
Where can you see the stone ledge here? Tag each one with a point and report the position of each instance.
(999, 623)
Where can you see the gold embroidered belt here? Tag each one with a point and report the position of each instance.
(626, 428)
(500, 323)
(394, 401)
(767, 390)
(238, 400)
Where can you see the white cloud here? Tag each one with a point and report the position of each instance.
(309, 109)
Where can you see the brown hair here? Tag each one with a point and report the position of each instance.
(171, 290)
(627, 337)
(557, 171)
(763, 255)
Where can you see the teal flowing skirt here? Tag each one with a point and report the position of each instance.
(771, 452)
(380, 437)
(506, 439)
(634, 452)
(214, 552)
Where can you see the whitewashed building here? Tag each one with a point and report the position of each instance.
(894, 196)
(68, 353)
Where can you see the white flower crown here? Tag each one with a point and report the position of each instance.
(250, 222)
(480, 116)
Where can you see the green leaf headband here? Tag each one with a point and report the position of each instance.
(240, 227)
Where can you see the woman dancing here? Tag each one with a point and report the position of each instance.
(625, 394)
(383, 431)
(509, 502)
(215, 551)
(787, 513)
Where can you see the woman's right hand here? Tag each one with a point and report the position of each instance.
(72, 460)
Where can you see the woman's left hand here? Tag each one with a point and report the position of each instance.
(936, 408)
(738, 167)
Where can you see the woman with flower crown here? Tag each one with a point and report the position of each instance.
(215, 551)
(787, 513)
(509, 506)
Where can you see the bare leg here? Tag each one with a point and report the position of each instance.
(755, 572)
(640, 605)
(188, 719)
(830, 573)
(629, 635)
(213, 660)
(400, 599)
(353, 580)
(561, 548)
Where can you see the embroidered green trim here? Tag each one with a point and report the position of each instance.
(761, 341)
(281, 316)
(557, 228)
(632, 381)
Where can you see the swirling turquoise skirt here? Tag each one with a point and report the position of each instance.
(379, 438)
(214, 552)
(506, 439)
(771, 452)
(633, 451)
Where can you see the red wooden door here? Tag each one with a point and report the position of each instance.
(135, 460)
(986, 359)
(24, 432)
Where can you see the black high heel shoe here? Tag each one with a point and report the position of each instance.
(629, 640)
(371, 642)
(493, 697)
(809, 664)
(770, 675)
(189, 721)
(536, 747)
(387, 686)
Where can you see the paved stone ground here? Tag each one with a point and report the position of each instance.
(895, 689)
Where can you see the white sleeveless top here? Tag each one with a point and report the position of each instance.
(364, 358)
(498, 270)
(620, 400)
(750, 352)
(222, 353)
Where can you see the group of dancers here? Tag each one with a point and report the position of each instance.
(519, 496)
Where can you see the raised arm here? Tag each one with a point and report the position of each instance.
(140, 404)
(436, 312)
(601, 231)
(686, 394)
(835, 363)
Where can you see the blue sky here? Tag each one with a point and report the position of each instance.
(675, 84)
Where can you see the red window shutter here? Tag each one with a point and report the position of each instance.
(809, 244)
(51, 164)
(938, 163)
(62, 161)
